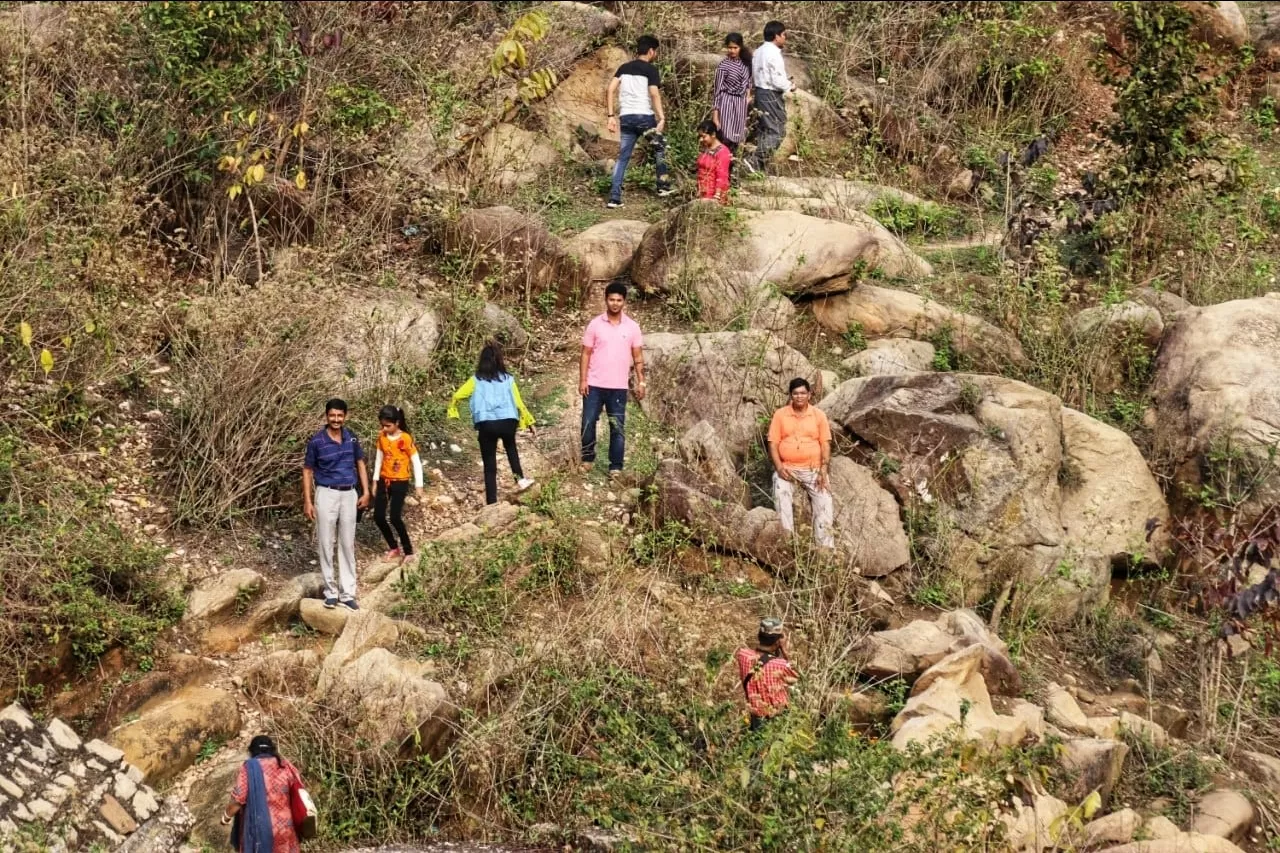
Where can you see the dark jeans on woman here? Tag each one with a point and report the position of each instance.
(392, 493)
(771, 126)
(489, 432)
(614, 402)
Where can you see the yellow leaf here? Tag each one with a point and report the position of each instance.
(234, 190)
(25, 332)
(252, 118)
(66, 342)
(300, 180)
(301, 128)
(819, 824)
(46, 361)
(258, 173)
(90, 327)
(1091, 804)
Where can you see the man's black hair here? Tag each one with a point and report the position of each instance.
(798, 382)
(766, 640)
(335, 403)
(644, 44)
(773, 29)
(615, 287)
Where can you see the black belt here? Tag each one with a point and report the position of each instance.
(338, 488)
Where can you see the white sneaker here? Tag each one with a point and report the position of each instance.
(524, 483)
(613, 205)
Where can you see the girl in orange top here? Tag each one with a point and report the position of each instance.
(397, 455)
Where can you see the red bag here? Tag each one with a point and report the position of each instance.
(303, 808)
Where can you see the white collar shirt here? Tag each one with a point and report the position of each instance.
(768, 71)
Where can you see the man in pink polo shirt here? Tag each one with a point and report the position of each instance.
(610, 346)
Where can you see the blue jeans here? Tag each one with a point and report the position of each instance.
(631, 128)
(614, 403)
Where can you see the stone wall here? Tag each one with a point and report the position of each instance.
(74, 794)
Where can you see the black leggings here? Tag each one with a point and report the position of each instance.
(489, 432)
(397, 491)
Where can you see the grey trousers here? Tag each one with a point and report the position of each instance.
(819, 501)
(336, 525)
(771, 126)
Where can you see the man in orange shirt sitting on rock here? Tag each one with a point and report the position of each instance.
(800, 446)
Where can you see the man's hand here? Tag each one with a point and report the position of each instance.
(533, 431)
(784, 473)
(309, 510)
(363, 503)
(639, 392)
(582, 388)
(613, 124)
(822, 480)
(417, 494)
(662, 123)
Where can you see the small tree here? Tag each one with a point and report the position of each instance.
(1164, 96)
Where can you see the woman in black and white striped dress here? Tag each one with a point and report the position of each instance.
(732, 92)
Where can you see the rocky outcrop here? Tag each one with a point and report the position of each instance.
(826, 198)
(1095, 764)
(222, 593)
(891, 357)
(951, 698)
(271, 612)
(703, 451)
(732, 380)
(1224, 813)
(1032, 491)
(508, 157)
(605, 249)
(910, 650)
(83, 793)
(379, 329)
(885, 312)
(516, 251)
(169, 732)
(868, 523)
(1217, 380)
(739, 266)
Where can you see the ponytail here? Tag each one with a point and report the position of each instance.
(395, 416)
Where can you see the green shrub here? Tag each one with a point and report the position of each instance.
(356, 110)
(923, 219)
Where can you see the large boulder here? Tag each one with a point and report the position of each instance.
(605, 249)
(1024, 493)
(222, 593)
(892, 357)
(390, 702)
(207, 802)
(1224, 813)
(1183, 842)
(508, 157)
(1217, 396)
(702, 449)
(574, 113)
(716, 517)
(732, 380)
(885, 312)
(727, 265)
(868, 523)
(915, 647)
(1221, 24)
(1094, 764)
(825, 198)
(951, 697)
(515, 250)
(168, 735)
(364, 631)
(378, 330)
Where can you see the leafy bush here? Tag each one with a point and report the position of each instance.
(356, 110)
(1164, 100)
(218, 53)
(924, 219)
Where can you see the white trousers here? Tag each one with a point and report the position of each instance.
(819, 501)
(336, 525)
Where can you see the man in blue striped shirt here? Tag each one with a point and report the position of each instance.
(333, 462)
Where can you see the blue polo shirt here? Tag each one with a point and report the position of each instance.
(333, 462)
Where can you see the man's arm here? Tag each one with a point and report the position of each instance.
(363, 471)
(308, 487)
(637, 359)
(583, 364)
(610, 97)
(656, 95)
(777, 461)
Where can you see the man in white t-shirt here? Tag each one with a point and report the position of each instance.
(635, 110)
(769, 76)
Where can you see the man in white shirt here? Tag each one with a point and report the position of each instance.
(769, 76)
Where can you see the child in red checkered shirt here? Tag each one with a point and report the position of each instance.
(766, 673)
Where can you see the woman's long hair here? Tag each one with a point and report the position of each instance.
(394, 415)
(744, 52)
(490, 367)
(262, 745)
